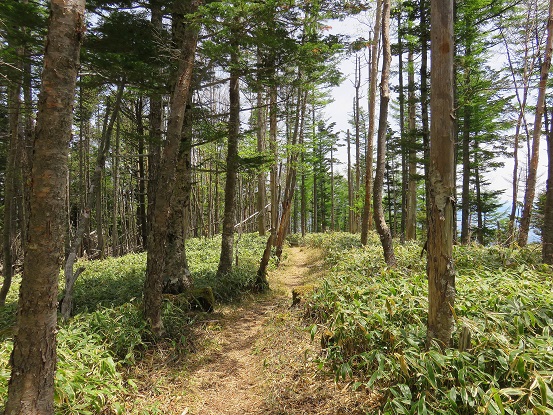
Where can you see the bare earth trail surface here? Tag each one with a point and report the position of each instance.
(252, 358)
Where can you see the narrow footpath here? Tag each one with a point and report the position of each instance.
(252, 358)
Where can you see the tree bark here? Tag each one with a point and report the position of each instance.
(411, 220)
(365, 222)
(158, 232)
(93, 194)
(33, 359)
(379, 219)
(547, 235)
(440, 270)
(177, 277)
(227, 240)
(540, 107)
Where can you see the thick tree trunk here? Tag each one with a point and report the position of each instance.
(540, 107)
(380, 222)
(366, 219)
(33, 359)
(440, 271)
(227, 240)
(177, 277)
(158, 232)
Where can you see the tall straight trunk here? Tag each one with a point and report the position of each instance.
(424, 102)
(273, 175)
(177, 277)
(33, 359)
(440, 270)
(229, 220)
(547, 235)
(540, 108)
(366, 219)
(332, 219)
(115, 243)
(261, 177)
(142, 222)
(356, 111)
(158, 232)
(465, 195)
(291, 174)
(380, 222)
(351, 194)
(403, 141)
(14, 104)
(71, 276)
(411, 219)
(478, 191)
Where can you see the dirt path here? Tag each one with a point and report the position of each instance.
(251, 359)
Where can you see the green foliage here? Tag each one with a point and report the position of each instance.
(377, 320)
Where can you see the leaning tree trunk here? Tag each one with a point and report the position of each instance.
(540, 108)
(33, 359)
(227, 240)
(440, 271)
(365, 220)
(70, 275)
(380, 222)
(161, 206)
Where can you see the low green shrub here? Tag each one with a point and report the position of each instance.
(375, 320)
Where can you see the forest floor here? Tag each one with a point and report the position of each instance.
(254, 357)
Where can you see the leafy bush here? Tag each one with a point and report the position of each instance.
(375, 320)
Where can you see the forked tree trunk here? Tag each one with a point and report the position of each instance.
(380, 222)
(33, 359)
(158, 232)
(540, 108)
(366, 219)
(440, 270)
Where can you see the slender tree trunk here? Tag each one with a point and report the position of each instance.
(291, 174)
(158, 233)
(366, 219)
(424, 102)
(547, 235)
(465, 196)
(540, 107)
(357, 122)
(273, 178)
(141, 207)
(261, 178)
(351, 196)
(411, 220)
(115, 243)
(93, 194)
(33, 359)
(403, 140)
(477, 187)
(229, 220)
(440, 270)
(380, 222)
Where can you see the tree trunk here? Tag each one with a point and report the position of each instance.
(227, 240)
(380, 222)
(365, 222)
(142, 222)
(540, 107)
(93, 195)
(351, 217)
(424, 102)
(33, 359)
(177, 277)
(291, 174)
(273, 175)
(465, 195)
(14, 104)
(411, 220)
(403, 142)
(158, 232)
(547, 234)
(440, 271)
(261, 177)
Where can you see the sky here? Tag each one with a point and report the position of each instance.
(340, 110)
